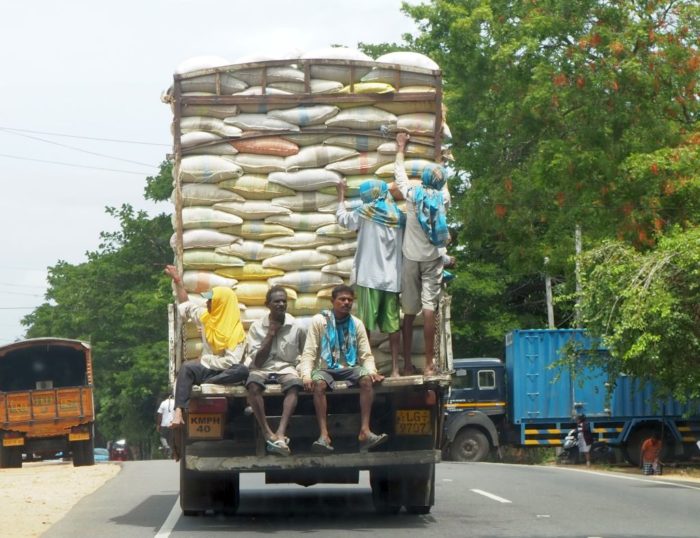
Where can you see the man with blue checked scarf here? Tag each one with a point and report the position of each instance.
(337, 349)
(376, 270)
(425, 239)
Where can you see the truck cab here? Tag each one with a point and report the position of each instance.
(474, 408)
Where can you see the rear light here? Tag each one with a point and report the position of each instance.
(208, 405)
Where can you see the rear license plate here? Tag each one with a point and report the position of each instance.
(79, 436)
(205, 426)
(13, 441)
(413, 422)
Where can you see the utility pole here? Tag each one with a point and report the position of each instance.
(548, 291)
(577, 307)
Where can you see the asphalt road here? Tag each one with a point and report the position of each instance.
(479, 500)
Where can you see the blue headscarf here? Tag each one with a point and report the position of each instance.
(430, 205)
(378, 205)
(338, 341)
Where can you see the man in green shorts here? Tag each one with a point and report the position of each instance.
(376, 270)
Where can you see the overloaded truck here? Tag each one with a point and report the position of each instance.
(258, 149)
(532, 400)
(46, 401)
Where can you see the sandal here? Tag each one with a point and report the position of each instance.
(321, 446)
(278, 447)
(372, 441)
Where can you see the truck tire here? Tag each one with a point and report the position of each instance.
(200, 492)
(470, 444)
(10, 457)
(83, 452)
(420, 489)
(386, 492)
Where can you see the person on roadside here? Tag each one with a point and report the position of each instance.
(585, 437)
(424, 243)
(223, 342)
(376, 270)
(274, 344)
(650, 454)
(164, 419)
(337, 349)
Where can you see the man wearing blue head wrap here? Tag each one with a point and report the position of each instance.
(376, 268)
(424, 255)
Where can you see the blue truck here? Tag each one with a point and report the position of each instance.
(531, 400)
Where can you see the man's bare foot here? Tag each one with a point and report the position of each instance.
(409, 369)
(395, 373)
(177, 419)
(430, 370)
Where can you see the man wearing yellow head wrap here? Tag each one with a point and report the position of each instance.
(223, 342)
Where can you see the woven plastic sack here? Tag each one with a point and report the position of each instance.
(194, 259)
(358, 142)
(252, 250)
(363, 117)
(368, 87)
(201, 281)
(364, 163)
(303, 222)
(266, 145)
(252, 210)
(260, 123)
(208, 169)
(414, 168)
(206, 217)
(409, 59)
(307, 304)
(223, 148)
(315, 86)
(341, 73)
(418, 151)
(205, 194)
(255, 187)
(221, 84)
(258, 230)
(250, 271)
(307, 139)
(299, 259)
(193, 348)
(260, 164)
(419, 124)
(305, 116)
(309, 281)
(208, 125)
(301, 240)
(336, 230)
(342, 268)
(340, 250)
(211, 111)
(353, 186)
(254, 76)
(310, 179)
(306, 201)
(252, 293)
(319, 156)
(203, 238)
(197, 138)
(350, 205)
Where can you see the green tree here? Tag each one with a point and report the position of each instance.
(563, 114)
(116, 300)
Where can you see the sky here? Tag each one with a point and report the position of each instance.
(81, 122)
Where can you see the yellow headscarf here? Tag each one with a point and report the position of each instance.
(222, 326)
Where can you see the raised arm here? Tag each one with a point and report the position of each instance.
(180, 291)
(399, 170)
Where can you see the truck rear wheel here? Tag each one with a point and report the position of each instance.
(10, 457)
(83, 452)
(470, 444)
(420, 489)
(386, 492)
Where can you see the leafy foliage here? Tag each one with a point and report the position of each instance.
(117, 300)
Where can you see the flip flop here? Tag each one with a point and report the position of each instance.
(372, 441)
(321, 446)
(278, 447)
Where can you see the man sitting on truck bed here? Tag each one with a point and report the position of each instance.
(223, 342)
(274, 343)
(376, 268)
(337, 349)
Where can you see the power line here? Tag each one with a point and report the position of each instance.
(87, 137)
(3, 292)
(22, 285)
(17, 307)
(74, 148)
(73, 165)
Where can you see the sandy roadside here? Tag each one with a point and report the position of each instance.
(39, 494)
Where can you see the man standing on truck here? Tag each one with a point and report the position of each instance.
(337, 349)
(223, 342)
(424, 245)
(274, 343)
(376, 269)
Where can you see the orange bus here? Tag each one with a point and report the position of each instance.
(46, 401)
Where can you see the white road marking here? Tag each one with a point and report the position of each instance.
(490, 495)
(170, 521)
(543, 515)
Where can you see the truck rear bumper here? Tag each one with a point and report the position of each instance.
(255, 464)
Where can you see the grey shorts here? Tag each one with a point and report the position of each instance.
(351, 375)
(287, 381)
(420, 285)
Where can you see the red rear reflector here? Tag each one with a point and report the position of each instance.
(208, 405)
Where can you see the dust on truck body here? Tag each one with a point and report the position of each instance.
(46, 400)
(221, 439)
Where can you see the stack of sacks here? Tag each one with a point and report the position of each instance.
(259, 181)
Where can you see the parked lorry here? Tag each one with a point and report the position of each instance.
(46, 401)
(531, 400)
(221, 438)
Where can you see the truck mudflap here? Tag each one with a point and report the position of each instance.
(361, 461)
